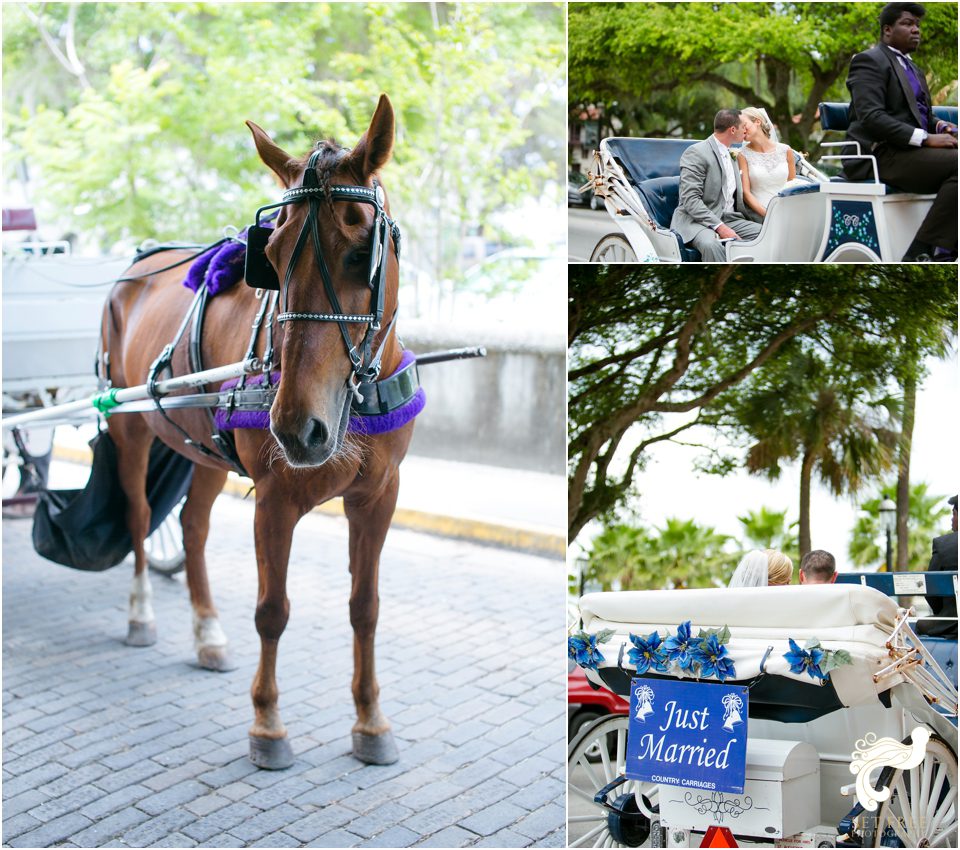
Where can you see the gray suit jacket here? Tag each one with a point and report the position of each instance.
(701, 191)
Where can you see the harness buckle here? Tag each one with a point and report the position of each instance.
(354, 386)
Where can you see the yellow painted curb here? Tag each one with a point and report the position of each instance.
(460, 528)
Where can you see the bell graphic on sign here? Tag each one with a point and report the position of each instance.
(731, 711)
(644, 696)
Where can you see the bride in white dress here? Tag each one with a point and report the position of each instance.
(766, 165)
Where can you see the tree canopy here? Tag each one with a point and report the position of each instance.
(129, 118)
(666, 68)
(646, 343)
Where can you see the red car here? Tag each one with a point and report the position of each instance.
(584, 704)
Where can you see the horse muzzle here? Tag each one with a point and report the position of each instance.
(312, 440)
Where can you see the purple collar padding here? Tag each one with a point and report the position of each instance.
(378, 424)
(220, 266)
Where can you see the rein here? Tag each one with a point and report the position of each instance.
(365, 362)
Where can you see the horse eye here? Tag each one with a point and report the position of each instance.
(357, 258)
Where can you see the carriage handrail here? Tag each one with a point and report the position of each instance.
(858, 155)
(915, 663)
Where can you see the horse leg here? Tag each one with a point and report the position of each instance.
(133, 442)
(274, 521)
(369, 520)
(210, 642)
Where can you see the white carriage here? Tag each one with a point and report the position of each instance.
(805, 736)
(52, 305)
(813, 219)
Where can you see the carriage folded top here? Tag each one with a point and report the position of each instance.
(762, 622)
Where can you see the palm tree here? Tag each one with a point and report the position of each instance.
(767, 529)
(681, 554)
(926, 521)
(837, 426)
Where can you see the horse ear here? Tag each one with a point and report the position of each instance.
(375, 146)
(273, 156)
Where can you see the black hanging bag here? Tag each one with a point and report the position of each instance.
(87, 529)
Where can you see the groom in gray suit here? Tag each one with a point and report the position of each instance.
(711, 204)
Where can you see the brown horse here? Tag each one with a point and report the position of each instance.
(308, 456)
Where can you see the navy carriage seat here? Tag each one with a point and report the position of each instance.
(660, 196)
(643, 159)
(836, 116)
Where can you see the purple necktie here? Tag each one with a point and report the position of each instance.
(914, 77)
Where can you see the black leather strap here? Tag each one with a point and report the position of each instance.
(388, 394)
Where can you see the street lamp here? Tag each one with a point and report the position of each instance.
(888, 523)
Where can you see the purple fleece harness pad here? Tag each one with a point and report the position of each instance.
(375, 424)
(221, 266)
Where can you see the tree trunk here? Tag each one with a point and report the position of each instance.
(806, 473)
(903, 468)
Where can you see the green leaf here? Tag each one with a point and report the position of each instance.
(605, 634)
(841, 657)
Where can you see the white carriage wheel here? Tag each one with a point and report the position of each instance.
(922, 808)
(613, 248)
(164, 548)
(587, 822)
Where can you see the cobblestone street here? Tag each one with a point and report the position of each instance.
(106, 745)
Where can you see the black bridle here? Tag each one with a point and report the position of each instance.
(365, 362)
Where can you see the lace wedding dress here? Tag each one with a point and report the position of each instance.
(768, 171)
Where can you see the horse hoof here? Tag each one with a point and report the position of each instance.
(141, 634)
(375, 749)
(215, 658)
(270, 753)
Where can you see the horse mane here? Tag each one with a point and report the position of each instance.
(331, 155)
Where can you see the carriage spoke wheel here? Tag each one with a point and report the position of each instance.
(590, 824)
(613, 248)
(922, 808)
(164, 548)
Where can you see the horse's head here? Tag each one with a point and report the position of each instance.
(334, 249)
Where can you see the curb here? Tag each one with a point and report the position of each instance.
(503, 535)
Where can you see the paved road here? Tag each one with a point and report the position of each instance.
(585, 229)
(105, 745)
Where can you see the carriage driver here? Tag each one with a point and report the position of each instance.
(944, 558)
(891, 116)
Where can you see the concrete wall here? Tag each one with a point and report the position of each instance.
(507, 409)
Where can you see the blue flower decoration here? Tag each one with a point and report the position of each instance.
(680, 647)
(647, 653)
(713, 659)
(583, 649)
(801, 660)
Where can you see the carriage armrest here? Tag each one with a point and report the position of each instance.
(799, 189)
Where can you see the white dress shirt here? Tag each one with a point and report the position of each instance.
(730, 180)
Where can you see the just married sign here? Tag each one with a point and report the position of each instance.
(688, 734)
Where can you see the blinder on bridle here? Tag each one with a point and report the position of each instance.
(260, 273)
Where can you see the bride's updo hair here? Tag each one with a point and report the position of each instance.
(779, 567)
(755, 114)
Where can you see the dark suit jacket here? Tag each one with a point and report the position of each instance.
(944, 558)
(883, 109)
